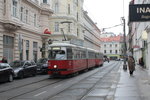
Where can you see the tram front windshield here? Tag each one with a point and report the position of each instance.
(57, 54)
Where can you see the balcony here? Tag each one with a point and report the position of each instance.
(11, 26)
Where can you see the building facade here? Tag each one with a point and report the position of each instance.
(71, 23)
(112, 47)
(91, 33)
(22, 27)
(138, 45)
(66, 20)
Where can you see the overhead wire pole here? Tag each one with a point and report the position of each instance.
(124, 40)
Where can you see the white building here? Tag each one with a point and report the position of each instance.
(139, 46)
(112, 47)
(70, 23)
(22, 25)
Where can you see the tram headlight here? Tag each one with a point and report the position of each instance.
(55, 66)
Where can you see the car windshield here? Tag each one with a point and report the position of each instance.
(42, 60)
(16, 64)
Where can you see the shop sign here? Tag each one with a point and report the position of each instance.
(139, 12)
(46, 31)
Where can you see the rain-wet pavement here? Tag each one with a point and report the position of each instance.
(123, 86)
(134, 87)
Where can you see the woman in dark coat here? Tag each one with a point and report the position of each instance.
(131, 65)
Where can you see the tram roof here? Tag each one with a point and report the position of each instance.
(71, 45)
(62, 44)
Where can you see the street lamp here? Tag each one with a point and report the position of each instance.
(125, 48)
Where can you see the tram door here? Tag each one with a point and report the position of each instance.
(8, 46)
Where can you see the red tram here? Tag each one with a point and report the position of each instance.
(66, 59)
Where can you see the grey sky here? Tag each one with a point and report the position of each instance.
(107, 13)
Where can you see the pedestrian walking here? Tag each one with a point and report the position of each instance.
(131, 64)
(4, 60)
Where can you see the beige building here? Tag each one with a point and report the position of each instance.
(66, 21)
(22, 27)
(91, 33)
(70, 23)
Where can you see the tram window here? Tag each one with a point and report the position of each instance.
(97, 55)
(57, 54)
(69, 53)
(76, 54)
(83, 54)
(91, 54)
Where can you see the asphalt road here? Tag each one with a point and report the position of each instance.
(41, 87)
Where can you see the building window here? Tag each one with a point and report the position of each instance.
(68, 8)
(44, 1)
(26, 16)
(35, 18)
(76, 1)
(21, 13)
(105, 45)
(77, 16)
(116, 45)
(104, 51)
(35, 51)
(56, 26)
(8, 47)
(56, 7)
(116, 51)
(69, 27)
(110, 51)
(110, 45)
(27, 49)
(14, 8)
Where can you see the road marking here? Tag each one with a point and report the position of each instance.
(57, 85)
(40, 93)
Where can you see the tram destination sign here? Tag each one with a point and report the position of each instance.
(139, 12)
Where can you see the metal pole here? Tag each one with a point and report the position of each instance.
(63, 34)
(125, 49)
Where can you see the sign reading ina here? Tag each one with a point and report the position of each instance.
(139, 12)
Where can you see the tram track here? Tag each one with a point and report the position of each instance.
(5, 90)
(40, 87)
(40, 83)
(89, 90)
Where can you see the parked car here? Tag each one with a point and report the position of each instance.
(23, 68)
(6, 72)
(42, 65)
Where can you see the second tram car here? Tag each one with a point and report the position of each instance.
(66, 59)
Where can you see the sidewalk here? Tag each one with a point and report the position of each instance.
(136, 87)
